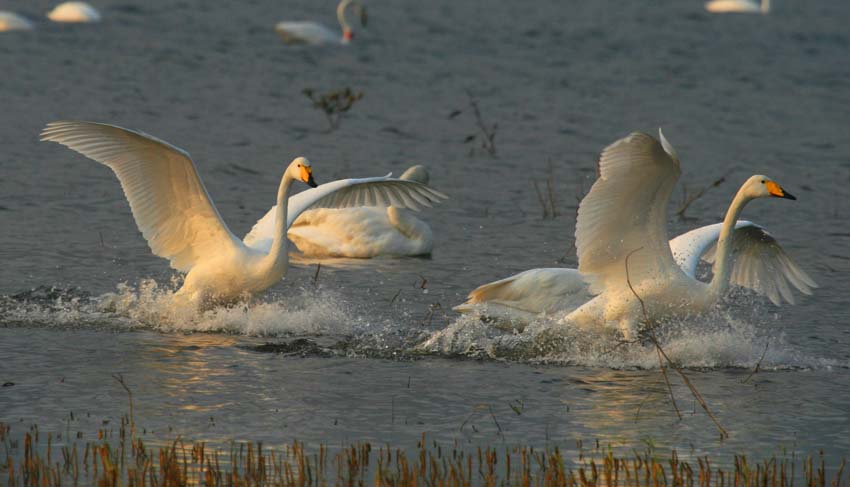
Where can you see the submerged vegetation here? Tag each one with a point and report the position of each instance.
(333, 103)
(123, 459)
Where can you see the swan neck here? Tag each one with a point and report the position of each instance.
(765, 6)
(340, 15)
(278, 256)
(723, 257)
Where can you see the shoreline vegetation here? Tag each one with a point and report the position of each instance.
(120, 458)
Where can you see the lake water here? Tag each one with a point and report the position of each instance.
(735, 95)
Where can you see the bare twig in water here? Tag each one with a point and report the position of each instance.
(395, 296)
(688, 198)
(547, 201)
(758, 364)
(423, 284)
(433, 307)
(662, 354)
(651, 331)
(316, 275)
(488, 132)
(120, 379)
(493, 415)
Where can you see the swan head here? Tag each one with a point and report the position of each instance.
(760, 186)
(301, 169)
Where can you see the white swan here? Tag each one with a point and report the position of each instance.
(178, 219)
(363, 232)
(625, 212)
(74, 12)
(10, 21)
(738, 6)
(761, 264)
(313, 33)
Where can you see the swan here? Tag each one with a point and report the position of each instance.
(77, 12)
(313, 33)
(178, 219)
(364, 232)
(761, 264)
(639, 173)
(738, 6)
(10, 21)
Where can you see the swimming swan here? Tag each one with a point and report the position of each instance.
(76, 12)
(738, 6)
(313, 33)
(638, 173)
(10, 21)
(364, 232)
(180, 222)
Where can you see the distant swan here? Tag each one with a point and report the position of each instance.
(625, 214)
(738, 6)
(364, 232)
(76, 12)
(306, 32)
(10, 21)
(178, 219)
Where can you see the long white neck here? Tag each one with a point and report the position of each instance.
(340, 14)
(278, 257)
(723, 256)
(765, 6)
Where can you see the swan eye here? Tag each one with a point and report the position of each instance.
(300, 166)
(763, 181)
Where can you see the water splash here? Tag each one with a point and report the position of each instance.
(149, 305)
(714, 341)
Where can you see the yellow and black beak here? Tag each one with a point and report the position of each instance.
(307, 176)
(776, 190)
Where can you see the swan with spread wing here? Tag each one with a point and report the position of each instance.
(364, 232)
(625, 216)
(178, 219)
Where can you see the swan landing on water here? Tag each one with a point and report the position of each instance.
(624, 216)
(178, 219)
(364, 232)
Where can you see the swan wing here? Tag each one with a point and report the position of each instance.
(761, 264)
(346, 193)
(169, 202)
(533, 291)
(626, 210)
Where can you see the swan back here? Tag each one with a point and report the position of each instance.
(10, 21)
(74, 12)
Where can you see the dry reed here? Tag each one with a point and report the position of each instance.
(118, 460)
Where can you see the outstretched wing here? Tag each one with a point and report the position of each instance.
(346, 193)
(760, 263)
(626, 210)
(169, 202)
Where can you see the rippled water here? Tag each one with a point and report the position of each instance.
(737, 94)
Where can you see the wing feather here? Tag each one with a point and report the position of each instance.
(760, 263)
(169, 202)
(626, 210)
